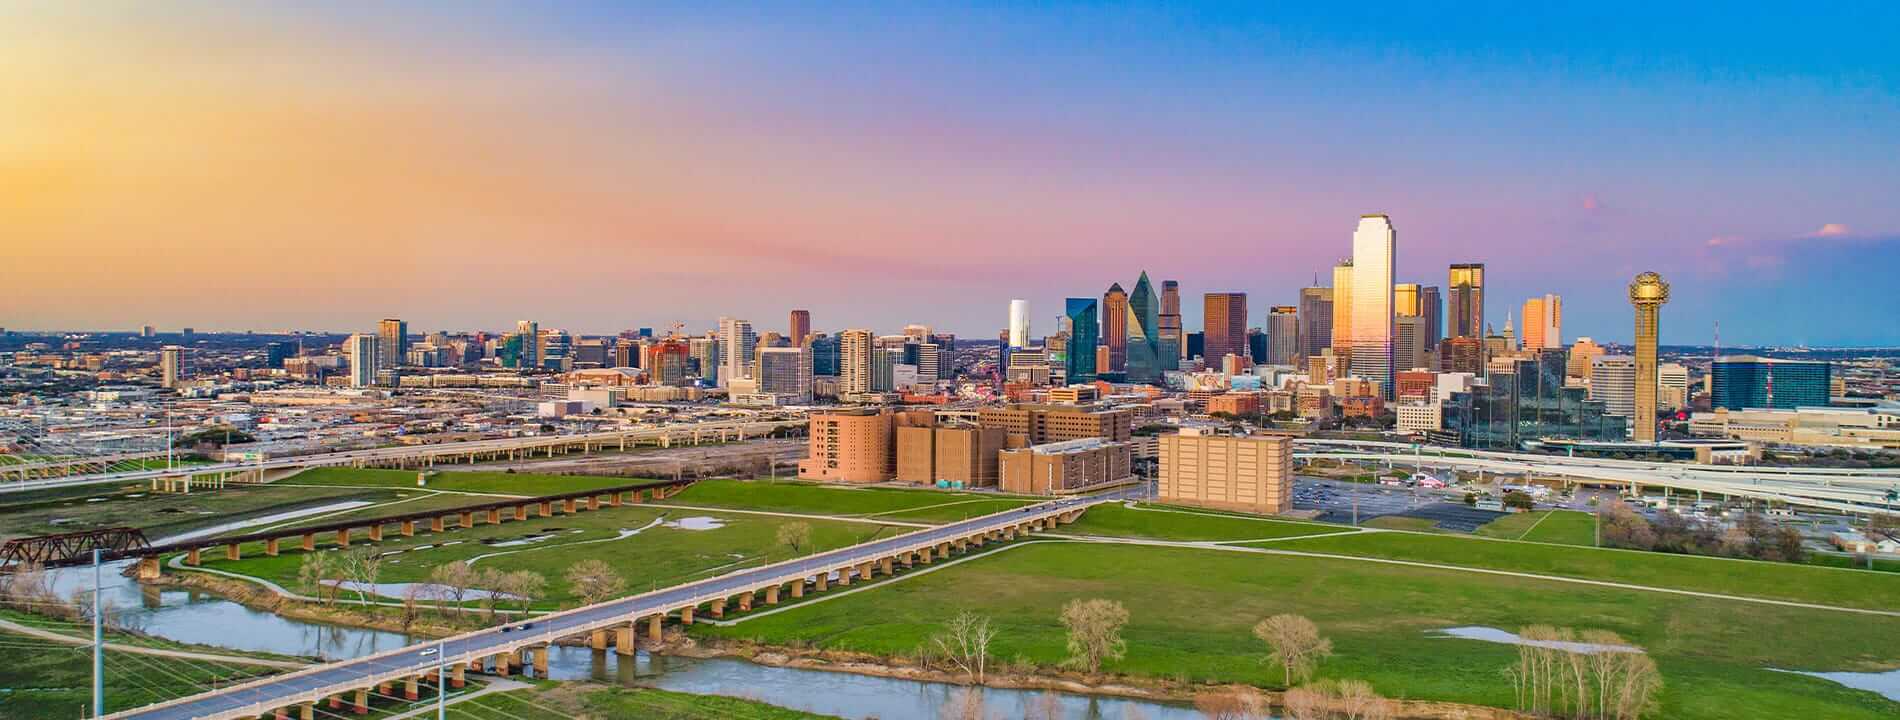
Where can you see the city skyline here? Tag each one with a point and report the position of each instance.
(1074, 155)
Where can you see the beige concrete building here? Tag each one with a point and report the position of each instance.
(1065, 467)
(1040, 424)
(848, 446)
(1830, 427)
(1252, 473)
(958, 454)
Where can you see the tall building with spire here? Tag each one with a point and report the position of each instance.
(1316, 321)
(1648, 292)
(1374, 246)
(1115, 328)
(1019, 323)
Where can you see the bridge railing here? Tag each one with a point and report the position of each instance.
(413, 668)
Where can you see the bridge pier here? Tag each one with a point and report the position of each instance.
(654, 626)
(798, 588)
(149, 568)
(844, 577)
(376, 532)
(771, 594)
(191, 558)
(745, 601)
(307, 710)
(568, 506)
(494, 516)
(233, 552)
(410, 690)
(547, 509)
(468, 519)
(270, 547)
(408, 528)
(540, 653)
(719, 608)
(361, 706)
(686, 615)
(309, 542)
(343, 537)
(597, 639)
(457, 678)
(623, 640)
(435, 524)
(889, 568)
(521, 512)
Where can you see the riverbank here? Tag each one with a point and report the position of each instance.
(1037, 679)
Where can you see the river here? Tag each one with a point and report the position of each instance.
(205, 619)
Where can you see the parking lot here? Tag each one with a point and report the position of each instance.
(1336, 501)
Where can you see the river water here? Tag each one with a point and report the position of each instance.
(205, 619)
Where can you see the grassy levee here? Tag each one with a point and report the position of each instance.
(474, 481)
(160, 514)
(566, 701)
(1191, 610)
(1564, 527)
(657, 556)
(816, 499)
(1167, 523)
(1778, 581)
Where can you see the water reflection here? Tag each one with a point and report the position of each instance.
(204, 619)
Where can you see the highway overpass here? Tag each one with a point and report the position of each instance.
(615, 623)
(1834, 489)
(411, 456)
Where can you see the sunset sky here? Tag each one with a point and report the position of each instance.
(252, 165)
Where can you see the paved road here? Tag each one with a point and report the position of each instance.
(262, 696)
(348, 457)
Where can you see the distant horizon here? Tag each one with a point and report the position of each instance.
(275, 164)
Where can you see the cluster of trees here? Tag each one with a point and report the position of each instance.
(1557, 676)
(323, 574)
(1754, 537)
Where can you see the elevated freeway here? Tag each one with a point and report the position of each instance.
(413, 456)
(615, 623)
(1834, 489)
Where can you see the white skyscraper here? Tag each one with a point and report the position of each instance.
(854, 361)
(171, 365)
(1374, 246)
(1019, 323)
(363, 359)
(737, 344)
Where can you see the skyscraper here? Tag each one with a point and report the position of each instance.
(1019, 323)
(800, 329)
(1613, 381)
(703, 353)
(1466, 283)
(1543, 322)
(1342, 310)
(1283, 335)
(737, 345)
(1431, 306)
(1743, 382)
(1084, 335)
(171, 366)
(1225, 325)
(530, 355)
(1115, 328)
(1408, 343)
(1648, 292)
(1316, 321)
(1171, 339)
(1374, 247)
(1144, 327)
(363, 360)
(392, 343)
(786, 372)
(824, 355)
(854, 361)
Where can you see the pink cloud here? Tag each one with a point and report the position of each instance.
(1721, 240)
(1829, 230)
(1591, 203)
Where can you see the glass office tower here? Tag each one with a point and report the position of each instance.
(1084, 335)
(1746, 381)
(1371, 301)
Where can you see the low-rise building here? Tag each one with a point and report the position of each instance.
(1065, 467)
(1418, 417)
(1877, 427)
(1251, 473)
(849, 446)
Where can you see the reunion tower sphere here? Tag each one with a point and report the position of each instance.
(1648, 289)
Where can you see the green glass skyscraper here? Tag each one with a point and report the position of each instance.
(1084, 335)
(1144, 333)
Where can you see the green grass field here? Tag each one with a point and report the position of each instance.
(49, 681)
(1564, 527)
(160, 514)
(1165, 523)
(1780, 581)
(657, 556)
(1191, 610)
(919, 505)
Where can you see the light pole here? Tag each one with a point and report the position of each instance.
(98, 643)
(441, 680)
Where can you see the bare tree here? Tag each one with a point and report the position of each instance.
(1294, 644)
(361, 568)
(312, 573)
(453, 580)
(492, 583)
(1095, 632)
(1357, 701)
(1236, 702)
(965, 642)
(594, 581)
(1304, 703)
(525, 585)
(1604, 677)
(410, 596)
(795, 535)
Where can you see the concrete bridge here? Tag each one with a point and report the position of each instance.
(45, 468)
(348, 685)
(184, 479)
(1834, 489)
